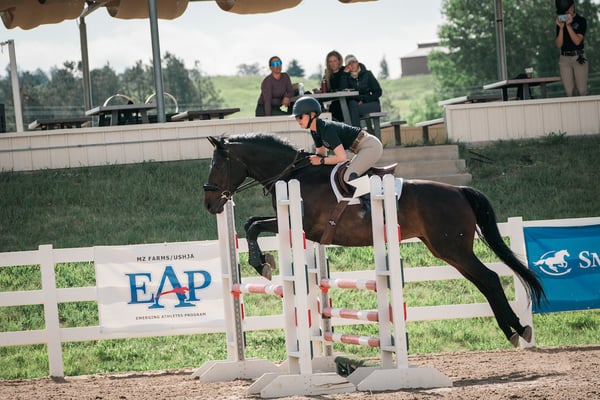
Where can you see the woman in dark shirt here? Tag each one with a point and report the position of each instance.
(275, 91)
(369, 91)
(334, 72)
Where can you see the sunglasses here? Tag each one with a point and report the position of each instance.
(276, 64)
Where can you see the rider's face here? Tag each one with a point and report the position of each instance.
(302, 120)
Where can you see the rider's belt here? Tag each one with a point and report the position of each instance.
(572, 53)
(354, 146)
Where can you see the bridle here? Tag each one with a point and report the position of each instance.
(268, 183)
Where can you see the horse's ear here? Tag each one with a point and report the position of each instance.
(213, 141)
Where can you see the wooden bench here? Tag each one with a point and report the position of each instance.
(425, 126)
(396, 124)
(373, 122)
(59, 123)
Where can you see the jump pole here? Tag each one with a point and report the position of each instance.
(300, 309)
(236, 366)
(395, 372)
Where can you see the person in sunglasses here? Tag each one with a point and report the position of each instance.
(275, 91)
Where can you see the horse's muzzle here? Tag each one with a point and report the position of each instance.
(214, 202)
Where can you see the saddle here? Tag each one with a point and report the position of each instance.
(346, 191)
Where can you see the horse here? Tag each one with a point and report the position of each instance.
(444, 217)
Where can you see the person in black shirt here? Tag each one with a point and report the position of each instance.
(338, 137)
(570, 31)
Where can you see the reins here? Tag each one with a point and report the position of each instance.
(267, 183)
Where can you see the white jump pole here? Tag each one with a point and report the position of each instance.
(393, 374)
(301, 378)
(236, 366)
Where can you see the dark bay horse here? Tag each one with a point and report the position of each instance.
(442, 216)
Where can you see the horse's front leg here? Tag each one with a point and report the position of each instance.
(262, 263)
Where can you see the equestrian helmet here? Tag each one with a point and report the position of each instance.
(306, 105)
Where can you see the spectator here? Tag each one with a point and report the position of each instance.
(570, 31)
(334, 72)
(361, 79)
(275, 91)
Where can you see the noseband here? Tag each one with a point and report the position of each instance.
(267, 183)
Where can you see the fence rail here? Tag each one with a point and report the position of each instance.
(50, 296)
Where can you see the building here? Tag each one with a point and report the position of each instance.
(415, 62)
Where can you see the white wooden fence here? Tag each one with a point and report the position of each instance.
(50, 296)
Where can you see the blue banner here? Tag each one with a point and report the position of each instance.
(567, 261)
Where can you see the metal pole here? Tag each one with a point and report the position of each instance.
(500, 44)
(16, 91)
(85, 65)
(158, 79)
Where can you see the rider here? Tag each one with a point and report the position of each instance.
(338, 137)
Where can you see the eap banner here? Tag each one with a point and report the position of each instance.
(567, 261)
(159, 286)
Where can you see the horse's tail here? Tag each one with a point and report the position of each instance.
(488, 229)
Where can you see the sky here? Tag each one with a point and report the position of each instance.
(220, 41)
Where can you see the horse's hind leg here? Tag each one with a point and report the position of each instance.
(488, 283)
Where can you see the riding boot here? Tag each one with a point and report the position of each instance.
(365, 205)
(365, 199)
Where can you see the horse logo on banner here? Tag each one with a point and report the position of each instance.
(553, 263)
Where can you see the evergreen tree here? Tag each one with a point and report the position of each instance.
(294, 69)
(384, 72)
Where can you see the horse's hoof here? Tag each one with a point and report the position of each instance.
(270, 260)
(266, 271)
(527, 334)
(514, 339)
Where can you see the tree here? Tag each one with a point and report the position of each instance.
(178, 82)
(469, 37)
(384, 72)
(294, 69)
(208, 95)
(248, 69)
(105, 83)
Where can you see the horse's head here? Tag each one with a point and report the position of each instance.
(226, 174)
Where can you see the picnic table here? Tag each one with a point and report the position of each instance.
(191, 115)
(524, 84)
(121, 114)
(59, 123)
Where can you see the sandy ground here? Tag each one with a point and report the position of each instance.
(544, 373)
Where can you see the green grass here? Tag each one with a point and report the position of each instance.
(554, 177)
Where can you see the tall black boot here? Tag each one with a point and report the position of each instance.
(365, 205)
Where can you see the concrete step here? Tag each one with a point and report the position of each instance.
(416, 169)
(436, 163)
(463, 179)
(420, 153)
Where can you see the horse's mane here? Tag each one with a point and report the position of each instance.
(263, 139)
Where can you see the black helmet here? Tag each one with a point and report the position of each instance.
(306, 105)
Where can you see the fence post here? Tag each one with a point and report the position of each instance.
(523, 300)
(55, 359)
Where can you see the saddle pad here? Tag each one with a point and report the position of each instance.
(351, 200)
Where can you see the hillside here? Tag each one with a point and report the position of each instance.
(243, 91)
